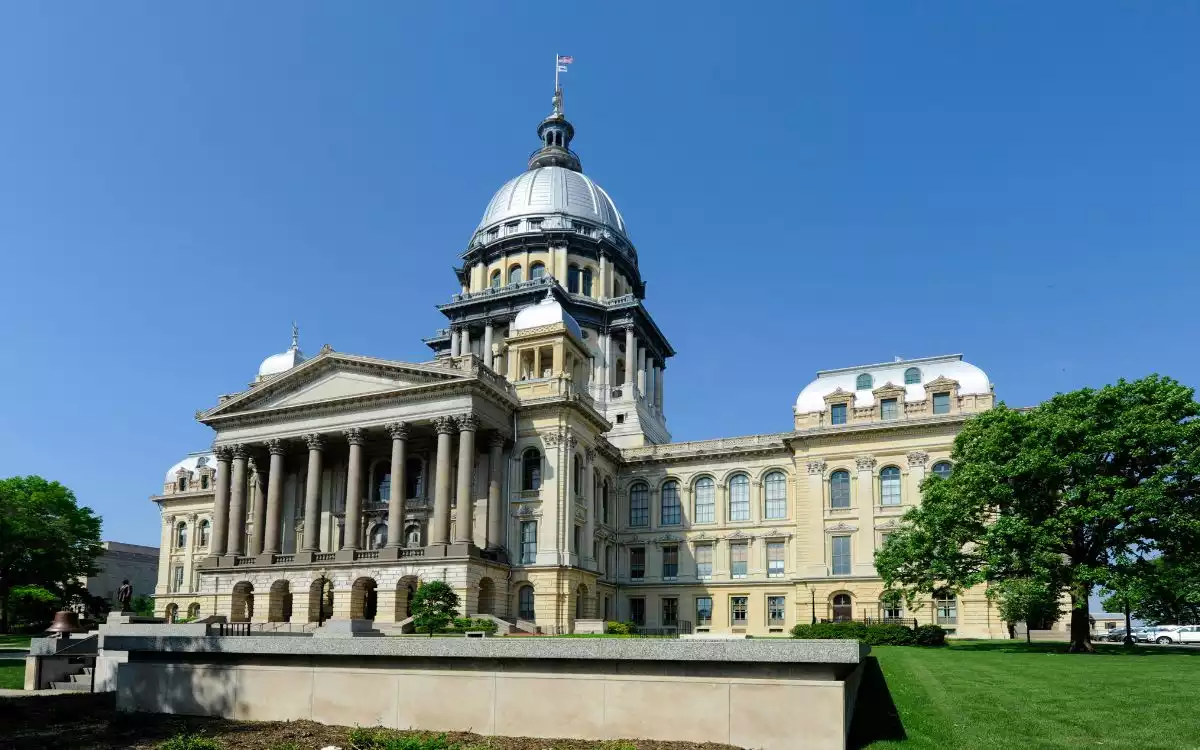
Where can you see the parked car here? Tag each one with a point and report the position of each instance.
(1176, 634)
(1116, 635)
(1144, 634)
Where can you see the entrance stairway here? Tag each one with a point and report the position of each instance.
(80, 682)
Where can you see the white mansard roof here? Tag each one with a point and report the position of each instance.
(970, 379)
(547, 312)
(192, 463)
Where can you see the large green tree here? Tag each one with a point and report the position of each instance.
(47, 540)
(1061, 493)
(1163, 591)
(434, 606)
(1027, 600)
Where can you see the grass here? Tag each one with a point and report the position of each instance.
(14, 642)
(12, 674)
(1007, 694)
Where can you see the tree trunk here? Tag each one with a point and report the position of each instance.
(1128, 640)
(4, 612)
(1081, 631)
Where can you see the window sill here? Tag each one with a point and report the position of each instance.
(737, 577)
(670, 579)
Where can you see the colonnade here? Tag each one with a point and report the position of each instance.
(643, 373)
(229, 511)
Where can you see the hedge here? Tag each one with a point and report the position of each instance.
(463, 624)
(881, 634)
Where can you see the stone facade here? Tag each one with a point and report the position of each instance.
(529, 464)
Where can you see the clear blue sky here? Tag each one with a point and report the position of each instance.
(811, 185)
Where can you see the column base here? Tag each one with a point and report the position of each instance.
(390, 553)
(303, 558)
(344, 555)
(265, 558)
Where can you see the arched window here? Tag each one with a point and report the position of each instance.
(531, 470)
(537, 271)
(181, 535)
(672, 513)
(587, 281)
(414, 478)
(912, 376)
(639, 505)
(946, 606)
(706, 500)
(183, 484)
(739, 498)
(863, 382)
(573, 279)
(775, 485)
(514, 275)
(525, 603)
(843, 608)
(378, 538)
(205, 527)
(412, 536)
(943, 469)
(496, 279)
(889, 486)
(839, 489)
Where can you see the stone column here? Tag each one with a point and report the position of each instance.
(455, 345)
(465, 529)
(255, 545)
(630, 360)
(399, 433)
(488, 333)
(312, 494)
(651, 386)
(439, 529)
(272, 538)
(658, 388)
(237, 503)
(641, 372)
(220, 518)
(354, 483)
(589, 527)
(495, 509)
(464, 346)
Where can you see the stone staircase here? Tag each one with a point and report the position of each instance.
(80, 682)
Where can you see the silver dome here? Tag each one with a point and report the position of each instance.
(545, 191)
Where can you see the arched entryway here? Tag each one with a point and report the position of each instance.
(406, 587)
(842, 607)
(243, 602)
(279, 602)
(172, 612)
(320, 600)
(525, 608)
(364, 599)
(193, 610)
(487, 597)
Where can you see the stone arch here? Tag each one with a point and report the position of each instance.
(193, 610)
(525, 604)
(841, 606)
(582, 608)
(172, 612)
(320, 600)
(243, 602)
(364, 599)
(279, 602)
(487, 597)
(406, 587)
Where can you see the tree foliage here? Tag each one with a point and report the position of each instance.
(1027, 600)
(434, 606)
(1166, 592)
(1062, 493)
(47, 541)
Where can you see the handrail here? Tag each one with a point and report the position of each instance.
(91, 640)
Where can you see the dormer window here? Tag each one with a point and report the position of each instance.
(941, 403)
(863, 382)
(837, 414)
(512, 227)
(889, 408)
(912, 376)
(183, 484)
(493, 233)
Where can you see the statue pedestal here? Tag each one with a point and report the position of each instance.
(129, 618)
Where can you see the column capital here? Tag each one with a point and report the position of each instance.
(316, 441)
(816, 467)
(239, 451)
(223, 453)
(444, 425)
(276, 447)
(497, 441)
(355, 436)
(917, 458)
(589, 454)
(398, 430)
(467, 422)
(865, 463)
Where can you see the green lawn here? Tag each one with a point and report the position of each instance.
(1006, 694)
(14, 642)
(12, 674)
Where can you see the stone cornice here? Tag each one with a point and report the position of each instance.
(764, 444)
(898, 425)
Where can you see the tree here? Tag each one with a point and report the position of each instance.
(1027, 600)
(142, 605)
(434, 606)
(47, 540)
(1165, 592)
(1059, 493)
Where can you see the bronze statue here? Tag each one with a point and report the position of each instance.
(125, 596)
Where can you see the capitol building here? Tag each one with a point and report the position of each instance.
(529, 462)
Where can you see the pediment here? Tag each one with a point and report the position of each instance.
(941, 383)
(339, 384)
(888, 390)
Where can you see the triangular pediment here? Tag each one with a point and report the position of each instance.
(941, 383)
(331, 377)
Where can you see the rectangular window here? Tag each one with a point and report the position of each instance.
(738, 558)
(776, 610)
(528, 542)
(837, 414)
(578, 539)
(637, 611)
(738, 610)
(841, 555)
(639, 505)
(178, 581)
(670, 569)
(670, 613)
(941, 403)
(889, 408)
(704, 610)
(775, 559)
(706, 501)
(704, 560)
(637, 563)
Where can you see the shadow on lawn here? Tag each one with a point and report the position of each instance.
(1102, 649)
(876, 717)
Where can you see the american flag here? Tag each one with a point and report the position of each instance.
(565, 59)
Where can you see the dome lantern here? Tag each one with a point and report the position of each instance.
(555, 133)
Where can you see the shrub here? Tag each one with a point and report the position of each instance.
(885, 634)
(831, 631)
(930, 635)
(463, 624)
(618, 628)
(383, 739)
(190, 742)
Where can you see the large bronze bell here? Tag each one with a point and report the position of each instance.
(65, 622)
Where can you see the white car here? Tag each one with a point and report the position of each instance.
(1176, 634)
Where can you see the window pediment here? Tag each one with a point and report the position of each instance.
(840, 397)
(941, 384)
(889, 390)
